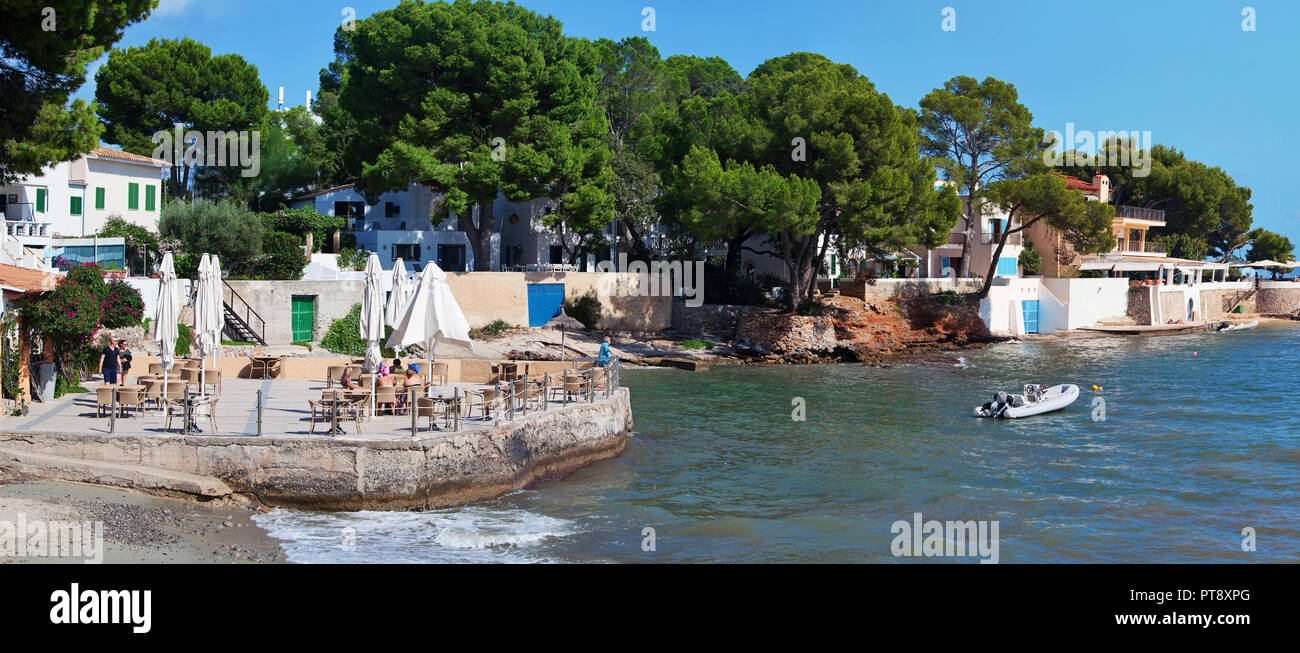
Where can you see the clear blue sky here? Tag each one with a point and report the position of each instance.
(1182, 69)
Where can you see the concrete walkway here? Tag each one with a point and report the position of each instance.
(285, 412)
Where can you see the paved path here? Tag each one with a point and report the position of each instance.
(285, 412)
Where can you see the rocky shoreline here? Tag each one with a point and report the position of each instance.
(140, 527)
(845, 330)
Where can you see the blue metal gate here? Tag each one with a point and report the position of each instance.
(544, 302)
(1029, 307)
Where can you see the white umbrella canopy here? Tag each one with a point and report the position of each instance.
(169, 310)
(207, 317)
(401, 292)
(372, 311)
(431, 317)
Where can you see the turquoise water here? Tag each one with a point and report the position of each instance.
(1200, 440)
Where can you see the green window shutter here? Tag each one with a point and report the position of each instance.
(99, 198)
(75, 206)
(40, 200)
(150, 199)
(133, 197)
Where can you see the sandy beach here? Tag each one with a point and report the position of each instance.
(141, 528)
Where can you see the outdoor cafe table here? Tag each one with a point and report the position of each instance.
(265, 363)
(337, 398)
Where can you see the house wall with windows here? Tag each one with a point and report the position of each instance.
(75, 198)
(399, 225)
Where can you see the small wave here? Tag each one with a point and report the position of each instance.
(469, 534)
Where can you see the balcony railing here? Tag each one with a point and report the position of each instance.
(27, 228)
(1138, 248)
(1138, 213)
(990, 237)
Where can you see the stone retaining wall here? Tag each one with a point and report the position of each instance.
(714, 319)
(435, 471)
(884, 289)
(1276, 301)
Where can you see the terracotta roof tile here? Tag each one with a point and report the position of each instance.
(27, 279)
(121, 155)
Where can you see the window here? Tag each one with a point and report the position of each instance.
(353, 213)
(451, 258)
(40, 200)
(1006, 267)
(557, 254)
(998, 225)
(99, 198)
(944, 264)
(406, 252)
(150, 198)
(391, 210)
(74, 207)
(133, 197)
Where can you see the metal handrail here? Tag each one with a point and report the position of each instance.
(248, 311)
(1139, 213)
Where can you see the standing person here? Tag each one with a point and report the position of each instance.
(108, 364)
(604, 354)
(397, 367)
(123, 361)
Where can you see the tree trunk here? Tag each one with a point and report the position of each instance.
(972, 219)
(732, 261)
(480, 235)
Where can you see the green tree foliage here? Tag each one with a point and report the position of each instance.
(225, 228)
(282, 256)
(1045, 197)
(432, 87)
(1269, 246)
(1182, 245)
(304, 221)
(1200, 202)
(344, 336)
(584, 308)
(122, 305)
(1031, 262)
(979, 133)
(294, 160)
(863, 153)
(146, 89)
(79, 305)
(43, 59)
(640, 93)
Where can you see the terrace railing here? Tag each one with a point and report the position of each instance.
(1138, 213)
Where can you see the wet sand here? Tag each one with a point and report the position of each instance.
(142, 528)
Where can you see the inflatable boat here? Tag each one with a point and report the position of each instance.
(1034, 401)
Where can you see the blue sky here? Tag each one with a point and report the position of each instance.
(1184, 70)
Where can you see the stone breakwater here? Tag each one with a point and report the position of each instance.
(393, 473)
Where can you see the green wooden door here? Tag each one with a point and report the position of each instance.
(304, 318)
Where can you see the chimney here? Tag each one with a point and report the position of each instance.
(280, 106)
(1102, 182)
(309, 100)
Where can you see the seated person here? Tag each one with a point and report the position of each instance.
(386, 381)
(413, 376)
(346, 381)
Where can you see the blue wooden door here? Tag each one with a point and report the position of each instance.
(1029, 307)
(544, 302)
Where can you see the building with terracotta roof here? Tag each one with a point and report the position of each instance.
(75, 198)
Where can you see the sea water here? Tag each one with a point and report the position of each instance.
(1192, 440)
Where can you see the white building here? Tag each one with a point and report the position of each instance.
(399, 226)
(75, 198)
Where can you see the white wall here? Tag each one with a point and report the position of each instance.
(1089, 300)
(1002, 311)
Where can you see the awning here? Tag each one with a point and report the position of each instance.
(1266, 264)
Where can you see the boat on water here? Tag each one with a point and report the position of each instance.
(1035, 400)
(1228, 326)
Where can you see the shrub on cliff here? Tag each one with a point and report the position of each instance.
(344, 336)
(584, 308)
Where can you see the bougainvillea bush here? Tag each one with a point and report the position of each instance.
(123, 306)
